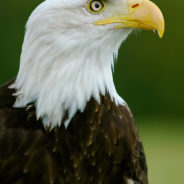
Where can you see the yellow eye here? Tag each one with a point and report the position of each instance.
(96, 6)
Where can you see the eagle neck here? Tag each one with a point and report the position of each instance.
(59, 76)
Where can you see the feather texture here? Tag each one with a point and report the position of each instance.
(101, 145)
(66, 60)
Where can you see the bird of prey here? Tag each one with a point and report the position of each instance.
(61, 119)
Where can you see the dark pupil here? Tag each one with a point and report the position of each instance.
(97, 5)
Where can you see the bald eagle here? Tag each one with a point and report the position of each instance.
(61, 119)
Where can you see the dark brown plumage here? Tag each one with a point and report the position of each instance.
(100, 146)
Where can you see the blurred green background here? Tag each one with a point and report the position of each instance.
(149, 75)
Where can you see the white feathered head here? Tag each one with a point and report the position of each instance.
(69, 49)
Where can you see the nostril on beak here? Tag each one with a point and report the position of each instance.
(135, 5)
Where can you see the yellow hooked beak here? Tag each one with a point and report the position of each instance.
(141, 14)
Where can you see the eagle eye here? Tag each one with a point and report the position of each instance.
(95, 6)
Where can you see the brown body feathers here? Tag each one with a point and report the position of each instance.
(100, 146)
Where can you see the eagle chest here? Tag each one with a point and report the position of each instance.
(96, 148)
(95, 144)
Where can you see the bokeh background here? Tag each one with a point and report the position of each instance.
(149, 75)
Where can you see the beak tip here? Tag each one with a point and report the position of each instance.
(160, 24)
(161, 29)
(161, 34)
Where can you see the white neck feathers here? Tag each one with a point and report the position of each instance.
(62, 70)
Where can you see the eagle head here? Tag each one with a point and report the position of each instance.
(69, 50)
